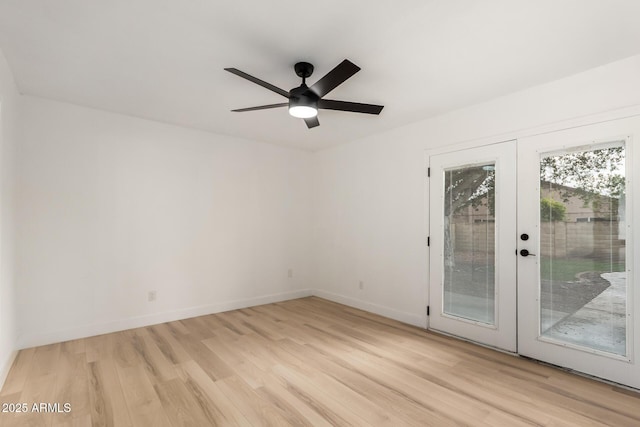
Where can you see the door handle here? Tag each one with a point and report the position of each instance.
(525, 252)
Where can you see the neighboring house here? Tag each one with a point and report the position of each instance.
(599, 208)
(593, 229)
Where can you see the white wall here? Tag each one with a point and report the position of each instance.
(8, 108)
(370, 210)
(110, 207)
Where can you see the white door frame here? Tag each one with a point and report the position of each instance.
(502, 334)
(621, 369)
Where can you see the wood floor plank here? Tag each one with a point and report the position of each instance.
(182, 406)
(410, 410)
(99, 347)
(124, 351)
(142, 402)
(254, 407)
(158, 368)
(341, 396)
(74, 346)
(212, 322)
(326, 404)
(168, 345)
(72, 385)
(177, 328)
(296, 411)
(215, 367)
(198, 328)
(305, 362)
(108, 403)
(18, 372)
(45, 360)
(217, 405)
(439, 398)
(84, 421)
(233, 323)
(242, 367)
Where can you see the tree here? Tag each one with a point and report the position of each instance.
(551, 210)
(588, 174)
(467, 186)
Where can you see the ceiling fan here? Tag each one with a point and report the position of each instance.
(304, 101)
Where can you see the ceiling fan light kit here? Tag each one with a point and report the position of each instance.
(303, 111)
(304, 101)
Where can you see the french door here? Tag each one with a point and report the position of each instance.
(472, 234)
(560, 249)
(577, 305)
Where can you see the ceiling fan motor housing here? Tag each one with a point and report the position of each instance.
(303, 96)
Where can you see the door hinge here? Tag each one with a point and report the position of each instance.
(428, 240)
(427, 310)
(428, 172)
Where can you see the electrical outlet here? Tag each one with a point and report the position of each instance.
(153, 295)
(290, 273)
(361, 285)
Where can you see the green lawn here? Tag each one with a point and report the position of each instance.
(566, 269)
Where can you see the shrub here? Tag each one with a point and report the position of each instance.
(550, 210)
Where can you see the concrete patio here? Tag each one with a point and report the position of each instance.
(600, 324)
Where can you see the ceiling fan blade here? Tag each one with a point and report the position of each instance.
(354, 107)
(261, 107)
(334, 78)
(312, 122)
(258, 81)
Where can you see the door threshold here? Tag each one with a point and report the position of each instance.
(634, 391)
(490, 347)
(625, 389)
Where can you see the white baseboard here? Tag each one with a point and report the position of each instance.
(37, 339)
(5, 366)
(411, 319)
(33, 340)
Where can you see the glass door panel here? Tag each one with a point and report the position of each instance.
(469, 243)
(583, 290)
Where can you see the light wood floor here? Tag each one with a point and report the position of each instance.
(301, 362)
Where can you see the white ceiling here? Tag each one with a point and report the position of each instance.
(164, 59)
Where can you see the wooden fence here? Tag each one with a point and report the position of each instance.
(594, 240)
